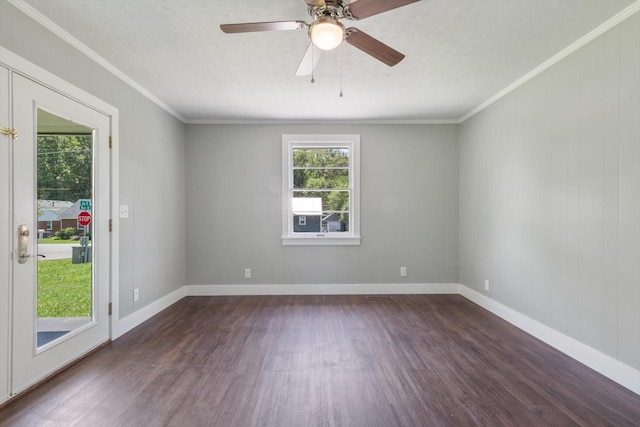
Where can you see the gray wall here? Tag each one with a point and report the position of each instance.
(151, 162)
(409, 205)
(550, 196)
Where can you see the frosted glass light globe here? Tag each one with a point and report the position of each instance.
(326, 33)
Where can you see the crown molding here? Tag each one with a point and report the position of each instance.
(598, 31)
(58, 31)
(320, 122)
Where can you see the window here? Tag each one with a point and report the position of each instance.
(49, 225)
(320, 188)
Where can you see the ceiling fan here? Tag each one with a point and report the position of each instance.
(327, 32)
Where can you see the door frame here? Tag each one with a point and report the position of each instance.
(19, 65)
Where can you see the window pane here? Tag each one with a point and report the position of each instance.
(321, 178)
(327, 201)
(325, 222)
(335, 222)
(65, 172)
(320, 157)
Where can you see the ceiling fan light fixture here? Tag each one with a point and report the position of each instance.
(326, 33)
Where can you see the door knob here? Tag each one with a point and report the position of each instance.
(23, 243)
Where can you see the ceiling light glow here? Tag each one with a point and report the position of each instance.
(326, 33)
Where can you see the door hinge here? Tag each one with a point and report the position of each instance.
(110, 309)
(110, 141)
(13, 133)
(110, 225)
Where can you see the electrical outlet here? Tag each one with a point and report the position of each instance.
(486, 285)
(124, 211)
(403, 271)
(247, 273)
(136, 295)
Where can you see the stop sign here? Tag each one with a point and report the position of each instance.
(84, 218)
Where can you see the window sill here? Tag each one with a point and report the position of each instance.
(320, 240)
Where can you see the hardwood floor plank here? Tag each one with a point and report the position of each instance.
(409, 360)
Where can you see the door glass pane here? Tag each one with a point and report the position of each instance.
(64, 207)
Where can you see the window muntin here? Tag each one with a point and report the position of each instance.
(320, 189)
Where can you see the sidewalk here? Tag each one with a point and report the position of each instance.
(55, 251)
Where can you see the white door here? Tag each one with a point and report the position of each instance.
(59, 180)
(5, 231)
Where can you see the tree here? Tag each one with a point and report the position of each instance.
(323, 169)
(64, 167)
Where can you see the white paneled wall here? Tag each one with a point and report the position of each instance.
(629, 194)
(550, 196)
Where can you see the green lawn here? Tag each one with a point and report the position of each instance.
(64, 289)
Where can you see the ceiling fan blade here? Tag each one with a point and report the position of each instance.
(250, 27)
(309, 60)
(361, 9)
(315, 3)
(373, 47)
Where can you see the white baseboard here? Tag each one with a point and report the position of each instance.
(606, 365)
(314, 289)
(124, 325)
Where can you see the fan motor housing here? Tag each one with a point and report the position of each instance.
(331, 9)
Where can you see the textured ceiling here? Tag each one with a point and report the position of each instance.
(459, 53)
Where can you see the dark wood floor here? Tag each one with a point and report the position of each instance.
(432, 360)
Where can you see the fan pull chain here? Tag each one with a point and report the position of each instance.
(312, 67)
(341, 95)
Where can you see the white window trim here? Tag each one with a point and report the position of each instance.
(289, 142)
